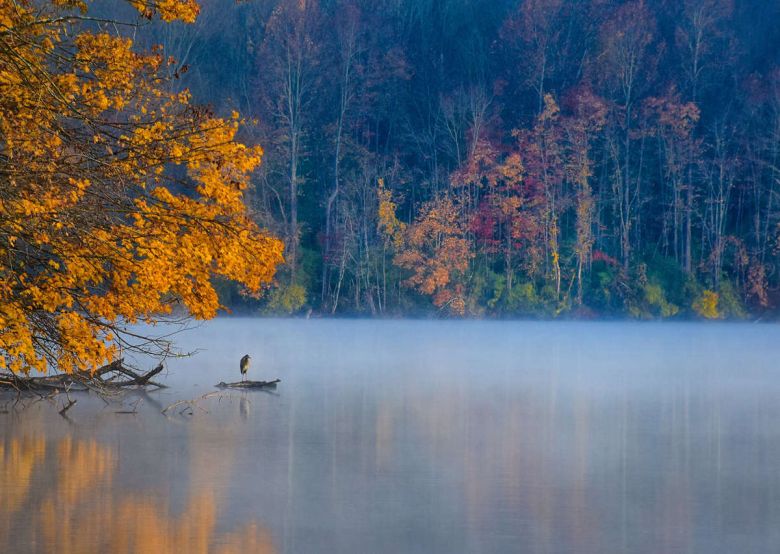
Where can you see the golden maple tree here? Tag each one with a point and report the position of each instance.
(119, 199)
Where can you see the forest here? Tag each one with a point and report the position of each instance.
(499, 158)
(505, 158)
(434, 165)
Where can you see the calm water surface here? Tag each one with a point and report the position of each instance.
(416, 437)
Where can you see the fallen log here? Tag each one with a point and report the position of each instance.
(103, 380)
(63, 383)
(249, 384)
(140, 380)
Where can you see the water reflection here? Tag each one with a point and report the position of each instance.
(61, 496)
(420, 437)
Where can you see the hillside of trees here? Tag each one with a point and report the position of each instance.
(504, 158)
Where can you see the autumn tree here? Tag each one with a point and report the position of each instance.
(437, 252)
(544, 158)
(391, 230)
(507, 211)
(588, 117)
(119, 200)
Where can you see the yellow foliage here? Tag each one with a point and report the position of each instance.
(706, 305)
(168, 10)
(287, 299)
(388, 224)
(94, 228)
(551, 109)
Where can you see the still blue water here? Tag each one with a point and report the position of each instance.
(415, 436)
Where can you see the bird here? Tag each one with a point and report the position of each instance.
(244, 365)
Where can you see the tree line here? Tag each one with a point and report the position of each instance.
(504, 157)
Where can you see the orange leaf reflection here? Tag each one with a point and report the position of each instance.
(75, 505)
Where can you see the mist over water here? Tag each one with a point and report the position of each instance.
(416, 436)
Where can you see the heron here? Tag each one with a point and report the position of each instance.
(244, 366)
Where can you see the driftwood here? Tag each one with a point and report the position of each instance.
(249, 384)
(107, 379)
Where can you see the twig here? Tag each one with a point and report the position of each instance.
(193, 402)
(67, 407)
(133, 411)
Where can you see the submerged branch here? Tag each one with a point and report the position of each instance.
(188, 404)
(67, 407)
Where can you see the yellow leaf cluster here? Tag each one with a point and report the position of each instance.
(387, 223)
(168, 10)
(119, 201)
(706, 305)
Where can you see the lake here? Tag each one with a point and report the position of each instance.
(415, 437)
